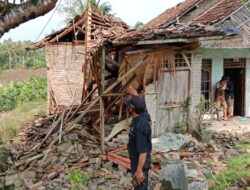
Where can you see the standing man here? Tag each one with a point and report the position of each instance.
(133, 93)
(229, 94)
(220, 98)
(139, 145)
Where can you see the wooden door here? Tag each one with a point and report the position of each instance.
(172, 100)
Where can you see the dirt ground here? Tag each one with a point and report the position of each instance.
(234, 125)
(20, 74)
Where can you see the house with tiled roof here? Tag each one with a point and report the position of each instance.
(188, 57)
(230, 57)
(165, 60)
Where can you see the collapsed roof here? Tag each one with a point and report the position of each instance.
(227, 16)
(96, 29)
(91, 27)
(175, 33)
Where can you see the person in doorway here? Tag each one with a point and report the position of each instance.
(220, 100)
(139, 145)
(229, 95)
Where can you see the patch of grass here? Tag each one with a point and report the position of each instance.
(244, 144)
(11, 122)
(209, 164)
(236, 170)
(78, 179)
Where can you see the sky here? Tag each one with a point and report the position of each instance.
(129, 11)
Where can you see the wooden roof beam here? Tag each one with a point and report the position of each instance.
(80, 29)
(65, 32)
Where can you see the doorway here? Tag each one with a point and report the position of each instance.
(235, 69)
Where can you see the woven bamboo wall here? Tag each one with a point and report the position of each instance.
(65, 76)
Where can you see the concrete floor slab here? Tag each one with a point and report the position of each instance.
(236, 124)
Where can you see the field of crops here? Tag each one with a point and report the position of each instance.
(17, 93)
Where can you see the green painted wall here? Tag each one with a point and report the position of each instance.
(217, 56)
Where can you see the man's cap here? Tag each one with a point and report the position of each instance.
(136, 103)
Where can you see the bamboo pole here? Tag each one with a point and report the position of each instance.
(102, 116)
(70, 126)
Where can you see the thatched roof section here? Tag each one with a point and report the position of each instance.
(90, 27)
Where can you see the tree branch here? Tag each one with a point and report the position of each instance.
(15, 15)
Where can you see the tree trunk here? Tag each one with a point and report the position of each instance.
(14, 15)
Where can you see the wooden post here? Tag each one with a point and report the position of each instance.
(87, 23)
(72, 125)
(102, 114)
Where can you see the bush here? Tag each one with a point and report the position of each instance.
(17, 93)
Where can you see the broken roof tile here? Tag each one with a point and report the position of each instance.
(175, 31)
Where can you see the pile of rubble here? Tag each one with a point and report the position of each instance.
(190, 160)
(37, 161)
(44, 155)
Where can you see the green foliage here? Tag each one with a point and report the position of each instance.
(138, 24)
(13, 55)
(78, 179)
(237, 168)
(179, 128)
(182, 125)
(201, 109)
(71, 8)
(244, 144)
(16, 93)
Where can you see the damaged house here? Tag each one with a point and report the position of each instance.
(191, 65)
(92, 62)
(230, 57)
(90, 65)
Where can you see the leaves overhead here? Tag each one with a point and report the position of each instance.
(70, 8)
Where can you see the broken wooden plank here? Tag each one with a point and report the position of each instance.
(102, 115)
(122, 125)
(71, 125)
(57, 37)
(187, 61)
(113, 62)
